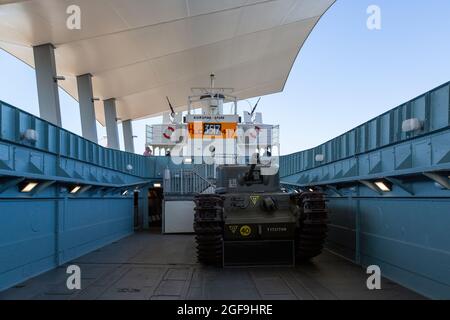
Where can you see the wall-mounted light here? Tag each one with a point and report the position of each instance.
(30, 135)
(75, 189)
(157, 185)
(125, 193)
(29, 187)
(188, 160)
(383, 186)
(413, 124)
(320, 157)
(129, 167)
(311, 190)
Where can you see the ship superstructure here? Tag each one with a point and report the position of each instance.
(207, 133)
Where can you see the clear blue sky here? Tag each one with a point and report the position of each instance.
(344, 75)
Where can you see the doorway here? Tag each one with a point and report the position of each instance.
(155, 204)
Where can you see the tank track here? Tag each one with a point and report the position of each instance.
(312, 230)
(208, 227)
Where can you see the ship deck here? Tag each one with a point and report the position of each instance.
(150, 266)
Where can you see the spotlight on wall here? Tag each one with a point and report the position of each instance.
(28, 187)
(157, 185)
(411, 125)
(30, 135)
(320, 157)
(383, 186)
(75, 189)
(125, 193)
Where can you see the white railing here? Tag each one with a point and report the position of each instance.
(188, 182)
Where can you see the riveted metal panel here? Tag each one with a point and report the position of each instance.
(439, 108)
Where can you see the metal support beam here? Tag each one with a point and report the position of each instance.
(112, 131)
(47, 83)
(87, 111)
(42, 187)
(5, 185)
(84, 190)
(128, 136)
(334, 189)
(399, 183)
(444, 181)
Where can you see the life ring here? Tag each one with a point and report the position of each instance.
(253, 134)
(168, 133)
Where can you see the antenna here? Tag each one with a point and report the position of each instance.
(254, 108)
(171, 108)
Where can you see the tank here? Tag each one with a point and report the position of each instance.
(251, 220)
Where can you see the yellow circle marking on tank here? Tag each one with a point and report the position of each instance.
(245, 231)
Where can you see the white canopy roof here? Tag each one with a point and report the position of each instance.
(140, 51)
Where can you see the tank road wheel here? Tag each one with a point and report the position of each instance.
(208, 227)
(312, 230)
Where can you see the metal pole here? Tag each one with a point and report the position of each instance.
(128, 136)
(47, 83)
(87, 111)
(112, 131)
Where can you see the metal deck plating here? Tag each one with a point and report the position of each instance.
(149, 266)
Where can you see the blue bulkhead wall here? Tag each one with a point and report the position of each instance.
(50, 226)
(406, 229)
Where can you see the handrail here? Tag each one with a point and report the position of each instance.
(14, 123)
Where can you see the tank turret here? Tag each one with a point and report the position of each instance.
(251, 220)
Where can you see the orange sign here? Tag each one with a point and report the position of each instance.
(207, 130)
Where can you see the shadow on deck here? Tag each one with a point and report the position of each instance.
(152, 266)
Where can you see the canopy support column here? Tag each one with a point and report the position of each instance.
(112, 131)
(47, 83)
(127, 128)
(87, 111)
